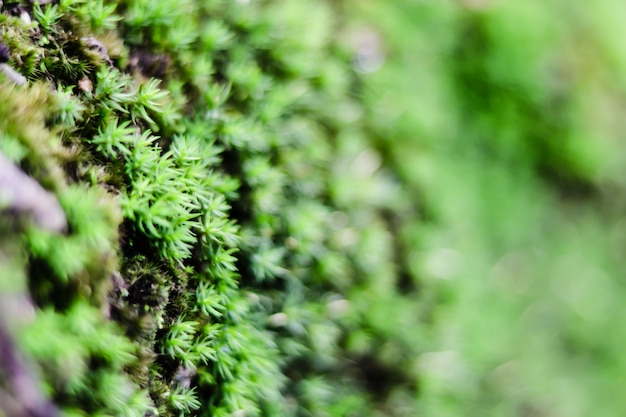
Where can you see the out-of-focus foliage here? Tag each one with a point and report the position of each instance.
(299, 208)
(504, 119)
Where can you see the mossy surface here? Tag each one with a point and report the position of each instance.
(204, 155)
(310, 208)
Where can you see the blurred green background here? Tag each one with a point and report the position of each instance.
(504, 120)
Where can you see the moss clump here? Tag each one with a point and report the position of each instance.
(211, 264)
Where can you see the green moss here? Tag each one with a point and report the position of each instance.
(260, 221)
(208, 255)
